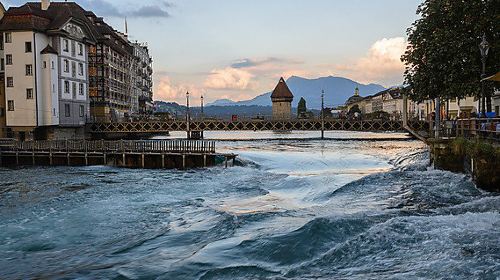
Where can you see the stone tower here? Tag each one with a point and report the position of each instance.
(282, 99)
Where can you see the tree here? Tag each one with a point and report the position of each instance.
(301, 108)
(443, 58)
(354, 109)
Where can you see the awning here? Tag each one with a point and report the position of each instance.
(495, 78)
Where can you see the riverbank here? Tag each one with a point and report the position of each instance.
(479, 158)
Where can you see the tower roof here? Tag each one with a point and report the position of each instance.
(282, 91)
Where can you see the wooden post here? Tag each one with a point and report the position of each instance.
(204, 160)
(184, 161)
(163, 161)
(123, 158)
(225, 161)
(86, 151)
(105, 162)
(142, 160)
(33, 154)
(17, 157)
(67, 157)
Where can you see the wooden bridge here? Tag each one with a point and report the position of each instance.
(158, 127)
(139, 154)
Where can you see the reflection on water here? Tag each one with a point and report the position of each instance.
(291, 209)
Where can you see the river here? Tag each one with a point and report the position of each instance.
(290, 209)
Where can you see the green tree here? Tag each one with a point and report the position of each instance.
(301, 108)
(443, 58)
(354, 109)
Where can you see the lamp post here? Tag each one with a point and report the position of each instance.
(322, 114)
(484, 48)
(187, 116)
(202, 115)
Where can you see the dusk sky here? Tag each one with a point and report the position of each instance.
(238, 49)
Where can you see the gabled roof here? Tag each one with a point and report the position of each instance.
(30, 16)
(48, 49)
(282, 91)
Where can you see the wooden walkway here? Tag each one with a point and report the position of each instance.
(125, 153)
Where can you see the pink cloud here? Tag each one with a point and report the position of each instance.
(229, 79)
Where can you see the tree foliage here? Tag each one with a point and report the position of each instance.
(301, 107)
(443, 58)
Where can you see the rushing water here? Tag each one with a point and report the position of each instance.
(290, 209)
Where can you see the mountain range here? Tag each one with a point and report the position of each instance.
(337, 91)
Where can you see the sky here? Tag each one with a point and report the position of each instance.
(238, 49)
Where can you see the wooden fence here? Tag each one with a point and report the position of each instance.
(120, 146)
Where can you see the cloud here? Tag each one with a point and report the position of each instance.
(229, 78)
(150, 11)
(381, 63)
(168, 91)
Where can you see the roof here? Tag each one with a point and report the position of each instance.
(30, 16)
(353, 99)
(282, 91)
(48, 49)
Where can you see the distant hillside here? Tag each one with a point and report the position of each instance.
(337, 91)
(225, 112)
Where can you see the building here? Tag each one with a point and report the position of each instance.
(142, 81)
(282, 99)
(110, 73)
(389, 101)
(46, 77)
(3, 124)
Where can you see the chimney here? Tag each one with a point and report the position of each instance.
(45, 5)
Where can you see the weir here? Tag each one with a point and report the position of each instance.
(164, 154)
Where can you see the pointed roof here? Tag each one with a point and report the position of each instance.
(282, 91)
(48, 49)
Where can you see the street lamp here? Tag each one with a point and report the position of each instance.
(322, 114)
(202, 116)
(187, 115)
(484, 48)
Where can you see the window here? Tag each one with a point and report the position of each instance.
(29, 70)
(80, 69)
(80, 49)
(66, 66)
(8, 59)
(2, 112)
(10, 105)
(29, 93)
(2, 64)
(67, 110)
(8, 37)
(54, 112)
(44, 64)
(66, 86)
(10, 82)
(65, 45)
(53, 88)
(74, 89)
(52, 65)
(82, 110)
(80, 90)
(73, 48)
(27, 47)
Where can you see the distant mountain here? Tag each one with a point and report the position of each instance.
(224, 112)
(337, 91)
(222, 102)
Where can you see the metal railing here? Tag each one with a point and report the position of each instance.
(486, 128)
(120, 146)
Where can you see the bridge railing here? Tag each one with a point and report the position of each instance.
(133, 146)
(486, 128)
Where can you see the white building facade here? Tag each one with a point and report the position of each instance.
(46, 73)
